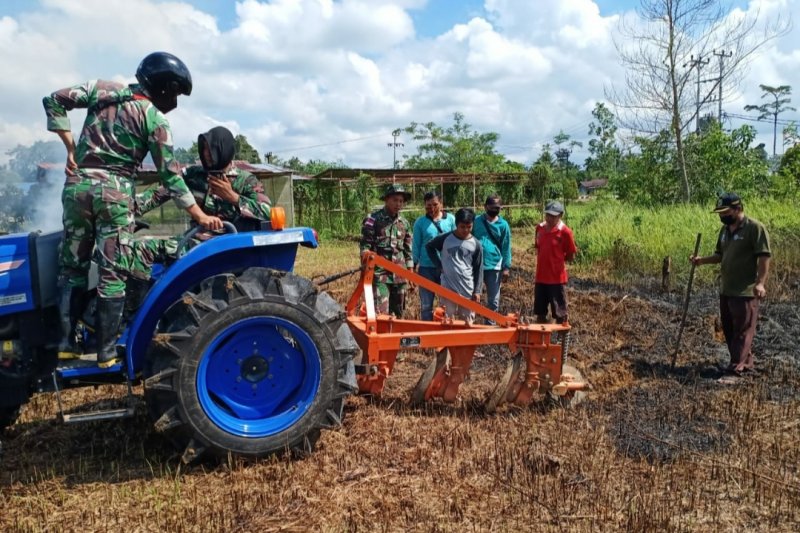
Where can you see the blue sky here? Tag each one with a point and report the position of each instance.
(332, 80)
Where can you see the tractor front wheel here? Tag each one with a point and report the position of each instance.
(250, 365)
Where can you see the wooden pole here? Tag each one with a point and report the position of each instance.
(686, 301)
(666, 270)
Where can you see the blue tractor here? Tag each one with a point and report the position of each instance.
(236, 354)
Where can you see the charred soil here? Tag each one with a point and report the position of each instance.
(652, 448)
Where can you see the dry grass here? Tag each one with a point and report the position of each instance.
(653, 449)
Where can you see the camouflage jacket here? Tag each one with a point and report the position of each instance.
(253, 203)
(121, 126)
(388, 237)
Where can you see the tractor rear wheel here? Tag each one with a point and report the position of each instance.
(8, 415)
(250, 365)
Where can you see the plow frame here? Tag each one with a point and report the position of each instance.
(381, 337)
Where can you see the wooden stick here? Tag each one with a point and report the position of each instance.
(686, 302)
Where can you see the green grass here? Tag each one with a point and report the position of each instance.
(631, 242)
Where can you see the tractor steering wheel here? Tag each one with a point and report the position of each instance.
(187, 237)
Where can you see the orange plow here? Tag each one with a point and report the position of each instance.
(537, 368)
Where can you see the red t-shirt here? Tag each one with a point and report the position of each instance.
(553, 248)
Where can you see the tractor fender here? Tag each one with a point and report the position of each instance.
(226, 253)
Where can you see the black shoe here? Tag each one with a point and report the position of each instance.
(109, 317)
(69, 310)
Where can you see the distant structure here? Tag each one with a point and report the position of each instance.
(586, 188)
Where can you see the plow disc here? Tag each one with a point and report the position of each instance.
(508, 387)
(437, 370)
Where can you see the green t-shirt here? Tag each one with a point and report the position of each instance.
(740, 251)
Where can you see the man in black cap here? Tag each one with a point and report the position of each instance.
(743, 253)
(388, 233)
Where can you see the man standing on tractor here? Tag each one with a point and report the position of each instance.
(555, 246)
(494, 234)
(122, 124)
(220, 189)
(743, 254)
(387, 233)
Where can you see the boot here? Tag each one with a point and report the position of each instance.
(135, 293)
(109, 316)
(69, 310)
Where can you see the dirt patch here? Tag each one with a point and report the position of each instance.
(653, 448)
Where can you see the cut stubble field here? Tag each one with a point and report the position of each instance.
(652, 448)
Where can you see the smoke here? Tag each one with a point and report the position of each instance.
(44, 202)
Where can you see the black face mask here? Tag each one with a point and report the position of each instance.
(727, 219)
(165, 103)
(492, 211)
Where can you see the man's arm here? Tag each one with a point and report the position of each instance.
(416, 241)
(247, 194)
(56, 106)
(760, 290)
(150, 199)
(433, 248)
(367, 242)
(506, 248)
(570, 249)
(707, 260)
(168, 168)
(477, 272)
(407, 254)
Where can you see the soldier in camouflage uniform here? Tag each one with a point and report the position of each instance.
(387, 233)
(122, 124)
(221, 190)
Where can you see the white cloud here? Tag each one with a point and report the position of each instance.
(291, 74)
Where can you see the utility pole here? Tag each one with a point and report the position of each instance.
(393, 145)
(722, 54)
(699, 63)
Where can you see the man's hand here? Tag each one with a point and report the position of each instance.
(210, 223)
(695, 260)
(72, 167)
(504, 275)
(759, 291)
(220, 186)
(476, 298)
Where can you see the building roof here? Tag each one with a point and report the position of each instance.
(594, 184)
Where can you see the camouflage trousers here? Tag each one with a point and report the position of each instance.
(149, 250)
(390, 298)
(98, 222)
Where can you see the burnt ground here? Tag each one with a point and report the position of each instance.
(652, 448)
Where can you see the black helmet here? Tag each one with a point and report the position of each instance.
(164, 77)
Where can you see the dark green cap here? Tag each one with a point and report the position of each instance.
(396, 188)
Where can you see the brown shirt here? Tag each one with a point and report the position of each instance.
(740, 251)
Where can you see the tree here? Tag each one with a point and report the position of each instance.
(659, 91)
(456, 147)
(791, 136)
(25, 159)
(603, 149)
(245, 152)
(780, 96)
(187, 157)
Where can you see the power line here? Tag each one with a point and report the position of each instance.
(782, 122)
(300, 148)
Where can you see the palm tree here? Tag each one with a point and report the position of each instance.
(781, 95)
